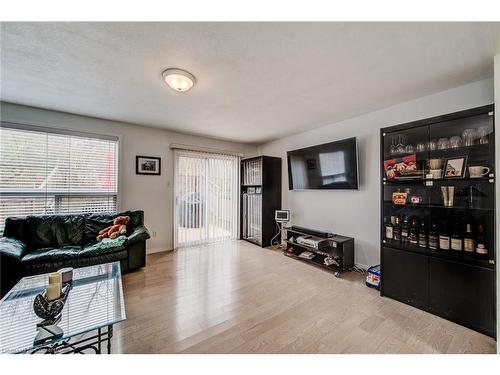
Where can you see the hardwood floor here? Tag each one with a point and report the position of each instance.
(235, 297)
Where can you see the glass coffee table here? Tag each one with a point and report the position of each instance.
(95, 303)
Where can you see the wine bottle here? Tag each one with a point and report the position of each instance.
(396, 230)
(388, 229)
(433, 237)
(412, 234)
(404, 230)
(456, 239)
(469, 240)
(422, 235)
(481, 248)
(444, 239)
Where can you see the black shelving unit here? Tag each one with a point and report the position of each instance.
(341, 248)
(260, 198)
(454, 284)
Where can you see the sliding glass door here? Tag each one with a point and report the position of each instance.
(206, 198)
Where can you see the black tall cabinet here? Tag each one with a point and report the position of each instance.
(260, 197)
(455, 284)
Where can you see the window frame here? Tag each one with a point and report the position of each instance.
(59, 130)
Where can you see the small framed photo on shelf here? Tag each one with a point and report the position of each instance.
(148, 165)
(399, 198)
(455, 167)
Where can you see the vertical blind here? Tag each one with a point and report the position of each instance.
(206, 196)
(42, 172)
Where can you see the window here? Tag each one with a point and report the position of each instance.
(333, 167)
(43, 171)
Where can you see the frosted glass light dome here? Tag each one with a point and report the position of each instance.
(178, 79)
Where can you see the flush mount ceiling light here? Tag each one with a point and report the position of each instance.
(178, 79)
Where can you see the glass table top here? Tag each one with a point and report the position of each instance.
(95, 301)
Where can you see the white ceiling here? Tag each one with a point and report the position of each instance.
(255, 81)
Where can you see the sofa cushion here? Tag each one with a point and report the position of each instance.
(54, 230)
(12, 248)
(40, 231)
(136, 219)
(69, 230)
(33, 268)
(93, 224)
(52, 254)
(95, 249)
(15, 227)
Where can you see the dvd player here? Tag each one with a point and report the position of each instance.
(314, 242)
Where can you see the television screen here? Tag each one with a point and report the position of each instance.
(328, 166)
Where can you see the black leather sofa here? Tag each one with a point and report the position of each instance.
(38, 244)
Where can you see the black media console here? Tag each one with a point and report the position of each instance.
(338, 249)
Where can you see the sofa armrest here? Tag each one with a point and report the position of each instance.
(12, 248)
(139, 234)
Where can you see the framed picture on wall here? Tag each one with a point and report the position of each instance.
(148, 165)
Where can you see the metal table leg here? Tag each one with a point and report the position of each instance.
(110, 335)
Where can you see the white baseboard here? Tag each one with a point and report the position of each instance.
(157, 250)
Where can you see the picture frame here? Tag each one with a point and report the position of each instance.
(405, 166)
(399, 198)
(455, 167)
(311, 163)
(148, 165)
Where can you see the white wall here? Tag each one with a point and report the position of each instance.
(356, 213)
(153, 194)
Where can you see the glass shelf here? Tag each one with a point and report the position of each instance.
(437, 206)
(446, 153)
(447, 181)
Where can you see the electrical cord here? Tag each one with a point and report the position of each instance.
(359, 270)
(276, 244)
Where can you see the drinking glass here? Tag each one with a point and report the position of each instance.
(455, 142)
(482, 134)
(432, 145)
(393, 146)
(443, 144)
(410, 149)
(401, 147)
(469, 136)
(421, 146)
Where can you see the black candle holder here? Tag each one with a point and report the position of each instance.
(50, 311)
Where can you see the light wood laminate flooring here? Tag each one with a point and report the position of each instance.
(234, 297)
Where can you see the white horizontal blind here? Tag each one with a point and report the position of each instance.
(49, 173)
(206, 196)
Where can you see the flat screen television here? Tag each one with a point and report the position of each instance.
(331, 165)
